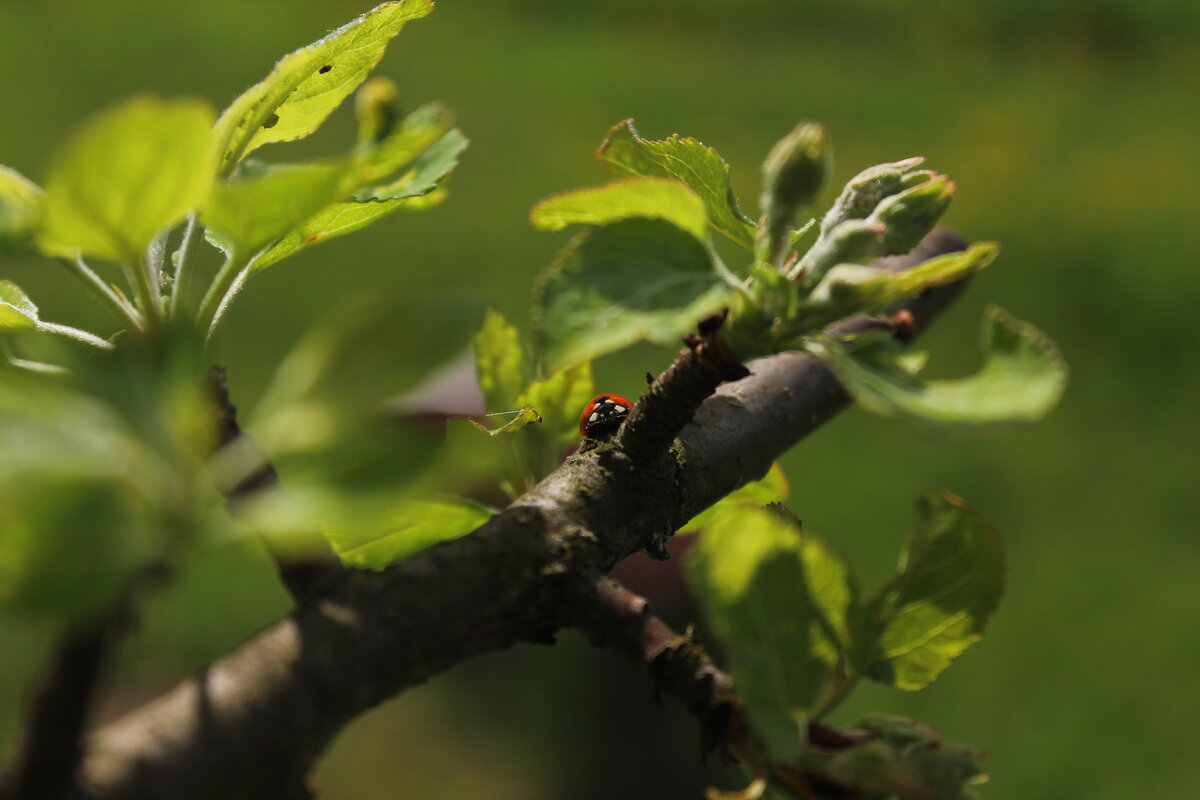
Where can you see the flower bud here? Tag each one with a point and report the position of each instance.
(793, 175)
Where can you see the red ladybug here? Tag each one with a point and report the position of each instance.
(603, 415)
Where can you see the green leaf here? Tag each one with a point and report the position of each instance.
(626, 154)
(127, 174)
(654, 198)
(246, 214)
(426, 174)
(17, 311)
(388, 535)
(1021, 381)
(854, 288)
(634, 280)
(332, 221)
(559, 399)
(779, 600)
(307, 85)
(382, 193)
(500, 363)
(20, 207)
(770, 488)
(416, 133)
(951, 577)
(69, 543)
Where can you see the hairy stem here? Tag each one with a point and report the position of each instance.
(118, 305)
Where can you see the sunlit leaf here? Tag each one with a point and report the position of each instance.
(654, 198)
(308, 84)
(559, 399)
(377, 193)
(501, 366)
(780, 601)
(249, 213)
(626, 154)
(17, 311)
(127, 174)
(1022, 379)
(950, 580)
(380, 537)
(634, 280)
(770, 488)
(20, 207)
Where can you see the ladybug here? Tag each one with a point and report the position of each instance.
(603, 415)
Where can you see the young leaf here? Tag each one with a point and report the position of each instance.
(779, 600)
(307, 85)
(127, 174)
(416, 189)
(426, 174)
(389, 535)
(654, 198)
(500, 363)
(246, 214)
(638, 279)
(1022, 379)
(20, 207)
(626, 154)
(559, 399)
(950, 580)
(770, 488)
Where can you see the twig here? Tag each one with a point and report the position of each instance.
(51, 750)
(303, 578)
(610, 615)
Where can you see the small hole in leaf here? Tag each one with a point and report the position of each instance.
(272, 121)
(325, 68)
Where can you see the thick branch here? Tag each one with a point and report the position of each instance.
(257, 718)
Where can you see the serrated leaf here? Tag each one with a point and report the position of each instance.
(17, 311)
(626, 154)
(501, 366)
(653, 198)
(1021, 381)
(634, 280)
(770, 488)
(127, 174)
(20, 207)
(950, 580)
(249, 213)
(779, 600)
(402, 529)
(307, 85)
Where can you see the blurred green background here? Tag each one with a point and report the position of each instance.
(1073, 130)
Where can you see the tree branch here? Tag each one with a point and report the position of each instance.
(610, 615)
(256, 719)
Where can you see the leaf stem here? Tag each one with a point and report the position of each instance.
(184, 279)
(117, 304)
(224, 285)
(76, 334)
(139, 276)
